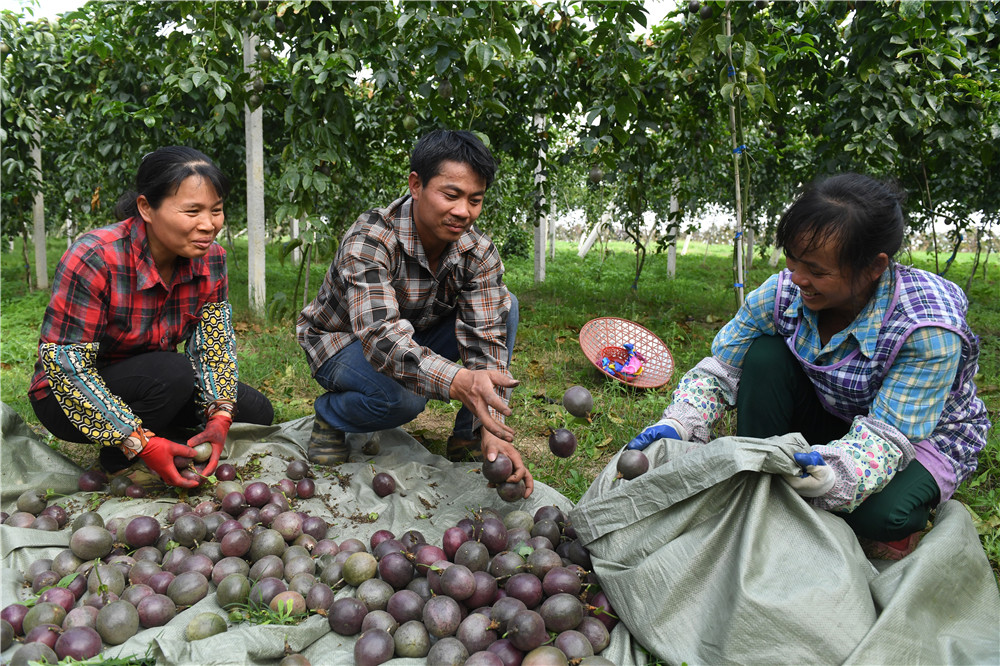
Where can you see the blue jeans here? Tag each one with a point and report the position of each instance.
(361, 399)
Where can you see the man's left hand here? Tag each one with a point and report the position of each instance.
(215, 432)
(493, 445)
(476, 389)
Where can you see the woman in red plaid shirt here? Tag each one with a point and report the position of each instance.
(123, 298)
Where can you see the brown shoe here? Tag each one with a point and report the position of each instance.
(327, 445)
(374, 444)
(465, 450)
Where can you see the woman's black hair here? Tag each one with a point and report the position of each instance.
(452, 145)
(864, 215)
(161, 173)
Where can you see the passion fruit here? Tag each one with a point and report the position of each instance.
(632, 463)
(91, 542)
(499, 470)
(578, 401)
(117, 622)
(204, 625)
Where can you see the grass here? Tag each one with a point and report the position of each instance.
(685, 312)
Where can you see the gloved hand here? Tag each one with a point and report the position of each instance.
(817, 477)
(666, 428)
(215, 432)
(158, 454)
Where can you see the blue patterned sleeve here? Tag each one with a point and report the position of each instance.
(705, 391)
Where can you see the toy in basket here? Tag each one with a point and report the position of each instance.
(622, 362)
(627, 351)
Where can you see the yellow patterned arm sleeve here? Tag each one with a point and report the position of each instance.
(99, 414)
(212, 349)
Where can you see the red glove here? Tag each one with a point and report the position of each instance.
(215, 432)
(158, 454)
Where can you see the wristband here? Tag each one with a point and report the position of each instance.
(134, 443)
(227, 409)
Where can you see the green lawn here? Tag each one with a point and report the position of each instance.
(684, 312)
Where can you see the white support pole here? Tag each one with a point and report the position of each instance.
(540, 208)
(38, 220)
(256, 234)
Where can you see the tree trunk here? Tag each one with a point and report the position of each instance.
(673, 230)
(38, 220)
(749, 249)
(588, 242)
(552, 228)
(305, 288)
(775, 257)
(256, 235)
(24, 253)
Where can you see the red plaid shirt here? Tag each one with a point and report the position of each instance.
(110, 303)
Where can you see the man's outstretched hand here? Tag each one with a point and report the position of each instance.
(476, 389)
(493, 446)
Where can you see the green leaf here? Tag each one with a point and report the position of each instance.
(750, 55)
(723, 42)
(700, 44)
(484, 53)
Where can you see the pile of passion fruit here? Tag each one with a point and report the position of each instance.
(498, 589)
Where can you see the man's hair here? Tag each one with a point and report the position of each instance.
(454, 146)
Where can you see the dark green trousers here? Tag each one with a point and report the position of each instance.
(776, 397)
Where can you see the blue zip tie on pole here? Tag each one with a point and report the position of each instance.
(739, 234)
(738, 285)
(740, 148)
(731, 71)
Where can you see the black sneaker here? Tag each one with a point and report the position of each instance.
(327, 445)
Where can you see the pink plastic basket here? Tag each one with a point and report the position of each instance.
(597, 335)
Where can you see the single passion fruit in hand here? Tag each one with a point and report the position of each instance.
(632, 463)
(499, 470)
(562, 443)
(578, 401)
(202, 452)
(383, 484)
(511, 492)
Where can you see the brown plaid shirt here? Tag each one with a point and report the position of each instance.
(380, 290)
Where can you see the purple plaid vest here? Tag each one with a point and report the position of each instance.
(848, 388)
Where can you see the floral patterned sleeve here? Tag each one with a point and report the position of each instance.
(708, 389)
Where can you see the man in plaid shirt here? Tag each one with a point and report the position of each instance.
(123, 298)
(415, 287)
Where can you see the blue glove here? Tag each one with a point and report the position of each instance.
(817, 477)
(804, 460)
(665, 429)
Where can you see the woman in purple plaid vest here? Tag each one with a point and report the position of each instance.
(872, 361)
